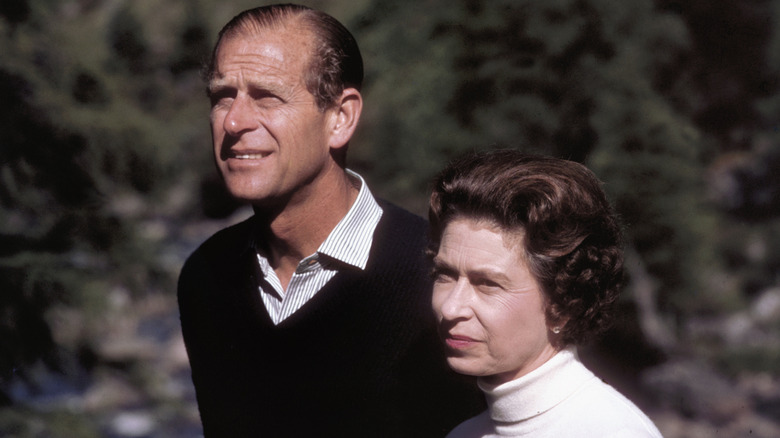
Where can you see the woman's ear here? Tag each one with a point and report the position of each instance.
(345, 117)
(556, 325)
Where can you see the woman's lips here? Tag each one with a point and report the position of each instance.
(459, 342)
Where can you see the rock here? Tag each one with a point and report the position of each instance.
(131, 424)
(112, 391)
(738, 328)
(696, 390)
(766, 308)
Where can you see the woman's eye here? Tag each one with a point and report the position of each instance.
(486, 284)
(440, 276)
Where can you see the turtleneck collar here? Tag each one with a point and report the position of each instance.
(538, 391)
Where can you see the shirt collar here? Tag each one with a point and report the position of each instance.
(350, 241)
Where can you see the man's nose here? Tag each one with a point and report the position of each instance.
(240, 117)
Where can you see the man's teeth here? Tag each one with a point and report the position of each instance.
(249, 156)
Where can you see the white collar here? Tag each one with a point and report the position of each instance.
(344, 243)
(538, 391)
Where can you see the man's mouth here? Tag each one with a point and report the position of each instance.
(247, 155)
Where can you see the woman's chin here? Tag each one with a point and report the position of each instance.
(465, 367)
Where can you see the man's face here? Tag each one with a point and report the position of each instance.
(271, 142)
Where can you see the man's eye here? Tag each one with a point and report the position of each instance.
(265, 97)
(220, 97)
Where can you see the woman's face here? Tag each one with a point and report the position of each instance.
(489, 308)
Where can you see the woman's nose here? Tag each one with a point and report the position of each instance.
(454, 299)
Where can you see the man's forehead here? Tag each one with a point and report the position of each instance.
(295, 33)
(275, 46)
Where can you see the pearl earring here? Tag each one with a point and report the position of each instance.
(556, 330)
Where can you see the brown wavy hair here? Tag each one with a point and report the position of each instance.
(568, 231)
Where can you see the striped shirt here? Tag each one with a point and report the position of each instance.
(347, 246)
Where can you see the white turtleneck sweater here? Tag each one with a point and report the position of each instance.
(561, 398)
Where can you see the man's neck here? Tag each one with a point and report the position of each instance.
(298, 229)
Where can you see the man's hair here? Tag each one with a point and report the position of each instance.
(556, 209)
(334, 64)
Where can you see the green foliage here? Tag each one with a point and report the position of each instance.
(406, 134)
(106, 139)
(592, 81)
(758, 359)
(752, 254)
(732, 68)
(21, 423)
(95, 116)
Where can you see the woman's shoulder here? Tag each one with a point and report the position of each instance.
(617, 415)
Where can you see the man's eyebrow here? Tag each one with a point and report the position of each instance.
(216, 84)
(220, 84)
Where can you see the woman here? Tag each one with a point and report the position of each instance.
(527, 265)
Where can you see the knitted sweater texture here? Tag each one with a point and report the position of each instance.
(360, 359)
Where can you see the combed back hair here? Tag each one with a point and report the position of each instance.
(334, 64)
(558, 213)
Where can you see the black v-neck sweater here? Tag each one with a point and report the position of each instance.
(360, 359)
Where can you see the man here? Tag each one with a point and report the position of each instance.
(312, 318)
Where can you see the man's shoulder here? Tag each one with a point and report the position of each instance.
(234, 239)
(400, 239)
(401, 228)
(400, 218)
(217, 260)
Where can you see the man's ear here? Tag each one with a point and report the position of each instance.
(345, 117)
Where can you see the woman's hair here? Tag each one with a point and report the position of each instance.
(557, 210)
(334, 64)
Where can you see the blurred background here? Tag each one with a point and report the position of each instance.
(107, 184)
